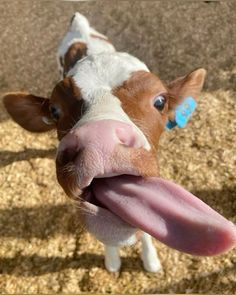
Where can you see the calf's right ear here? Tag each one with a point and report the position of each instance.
(29, 111)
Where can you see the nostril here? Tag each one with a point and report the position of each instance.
(66, 156)
(68, 149)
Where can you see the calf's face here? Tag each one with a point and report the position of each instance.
(109, 120)
(115, 126)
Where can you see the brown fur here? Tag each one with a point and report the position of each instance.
(66, 95)
(27, 110)
(137, 96)
(75, 52)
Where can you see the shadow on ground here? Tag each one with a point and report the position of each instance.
(205, 282)
(36, 265)
(9, 157)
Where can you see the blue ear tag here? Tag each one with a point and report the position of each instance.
(182, 113)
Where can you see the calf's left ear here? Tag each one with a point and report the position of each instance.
(29, 111)
(189, 85)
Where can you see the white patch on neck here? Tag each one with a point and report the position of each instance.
(96, 76)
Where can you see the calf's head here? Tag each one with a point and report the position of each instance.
(109, 114)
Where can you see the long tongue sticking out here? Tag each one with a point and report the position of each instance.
(167, 212)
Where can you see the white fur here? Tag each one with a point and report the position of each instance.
(107, 227)
(104, 70)
(149, 256)
(112, 259)
(80, 31)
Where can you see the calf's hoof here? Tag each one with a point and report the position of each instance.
(151, 262)
(113, 264)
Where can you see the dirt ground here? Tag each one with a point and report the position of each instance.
(42, 248)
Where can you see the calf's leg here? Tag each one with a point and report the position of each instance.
(112, 258)
(149, 256)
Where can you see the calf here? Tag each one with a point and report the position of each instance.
(109, 112)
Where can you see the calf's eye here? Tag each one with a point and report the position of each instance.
(159, 102)
(55, 112)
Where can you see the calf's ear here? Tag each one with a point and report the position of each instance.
(189, 85)
(29, 111)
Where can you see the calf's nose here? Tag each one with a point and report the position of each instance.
(102, 136)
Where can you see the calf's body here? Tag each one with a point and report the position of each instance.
(109, 112)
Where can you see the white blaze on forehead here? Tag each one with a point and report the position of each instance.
(96, 76)
(108, 70)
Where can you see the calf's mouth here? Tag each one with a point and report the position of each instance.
(131, 200)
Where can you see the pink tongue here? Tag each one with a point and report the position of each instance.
(167, 212)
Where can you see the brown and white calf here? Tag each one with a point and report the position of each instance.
(109, 112)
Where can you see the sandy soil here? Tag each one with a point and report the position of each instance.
(42, 247)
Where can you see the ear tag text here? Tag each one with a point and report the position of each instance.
(183, 113)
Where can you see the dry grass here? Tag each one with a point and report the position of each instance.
(43, 249)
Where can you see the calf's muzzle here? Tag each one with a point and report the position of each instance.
(99, 149)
